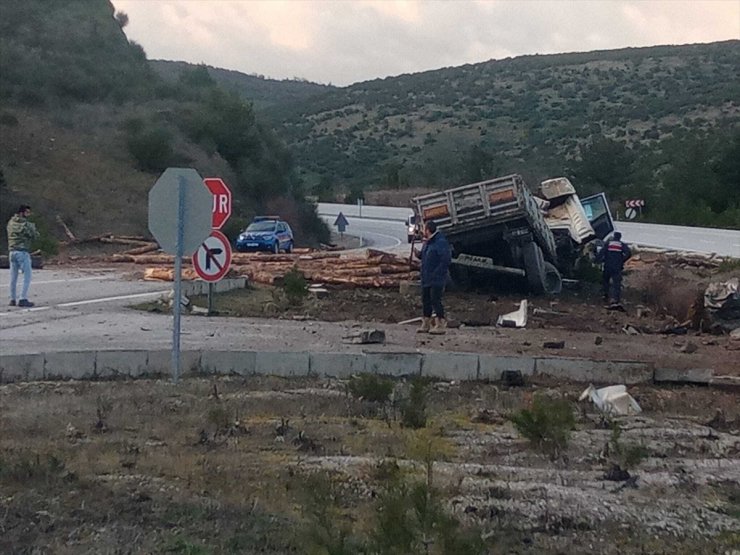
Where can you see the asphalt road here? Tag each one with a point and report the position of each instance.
(380, 234)
(724, 242)
(64, 300)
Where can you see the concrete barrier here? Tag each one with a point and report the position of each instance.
(441, 365)
(491, 366)
(596, 371)
(109, 364)
(198, 287)
(694, 375)
(393, 364)
(450, 366)
(74, 365)
(21, 368)
(282, 363)
(337, 365)
(243, 363)
(159, 363)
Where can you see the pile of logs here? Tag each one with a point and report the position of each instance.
(374, 269)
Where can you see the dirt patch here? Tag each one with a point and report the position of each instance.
(215, 466)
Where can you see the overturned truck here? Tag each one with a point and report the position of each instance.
(499, 226)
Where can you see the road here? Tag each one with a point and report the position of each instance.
(380, 234)
(724, 242)
(68, 302)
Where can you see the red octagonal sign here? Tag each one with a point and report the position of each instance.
(221, 200)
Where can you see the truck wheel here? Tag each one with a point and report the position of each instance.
(534, 266)
(553, 281)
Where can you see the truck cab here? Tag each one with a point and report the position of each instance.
(413, 228)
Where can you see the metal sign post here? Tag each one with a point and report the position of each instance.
(177, 306)
(180, 220)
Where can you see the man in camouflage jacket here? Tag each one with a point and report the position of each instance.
(21, 234)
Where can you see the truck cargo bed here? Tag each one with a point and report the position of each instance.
(470, 212)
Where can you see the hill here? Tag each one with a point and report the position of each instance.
(262, 92)
(86, 126)
(613, 120)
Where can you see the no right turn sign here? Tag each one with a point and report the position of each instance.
(213, 258)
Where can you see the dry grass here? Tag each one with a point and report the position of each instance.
(200, 465)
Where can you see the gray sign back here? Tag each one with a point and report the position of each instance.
(163, 210)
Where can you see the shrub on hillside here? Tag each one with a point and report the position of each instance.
(151, 148)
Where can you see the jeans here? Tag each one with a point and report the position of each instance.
(431, 301)
(20, 261)
(615, 291)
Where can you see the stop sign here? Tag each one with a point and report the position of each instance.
(221, 200)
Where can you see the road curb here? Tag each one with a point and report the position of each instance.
(110, 364)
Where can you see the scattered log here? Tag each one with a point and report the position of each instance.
(67, 231)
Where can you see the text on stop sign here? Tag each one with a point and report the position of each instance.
(221, 204)
(221, 200)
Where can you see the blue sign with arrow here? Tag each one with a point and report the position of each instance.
(341, 223)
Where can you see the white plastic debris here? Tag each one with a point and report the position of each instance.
(612, 400)
(516, 319)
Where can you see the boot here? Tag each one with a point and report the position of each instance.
(440, 325)
(426, 325)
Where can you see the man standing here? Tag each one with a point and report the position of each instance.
(21, 233)
(614, 254)
(435, 262)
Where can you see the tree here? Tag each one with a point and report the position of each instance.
(121, 19)
(605, 165)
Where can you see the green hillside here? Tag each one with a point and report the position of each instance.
(86, 126)
(262, 92)
(622, 120)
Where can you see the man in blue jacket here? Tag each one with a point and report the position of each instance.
(435, 263)
(614, 254)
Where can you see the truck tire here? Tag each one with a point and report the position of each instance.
(553, 280)
(534, 266)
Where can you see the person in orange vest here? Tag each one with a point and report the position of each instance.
(614, 254)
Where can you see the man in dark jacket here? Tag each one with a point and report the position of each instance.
(435, 263)
(21, 233)
(614, 254)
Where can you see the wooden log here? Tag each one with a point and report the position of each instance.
(151, 247)
(168, 274)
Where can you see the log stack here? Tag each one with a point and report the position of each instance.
(376, 269)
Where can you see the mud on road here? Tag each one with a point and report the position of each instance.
(220, 466)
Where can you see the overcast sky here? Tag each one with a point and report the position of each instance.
(343, 42)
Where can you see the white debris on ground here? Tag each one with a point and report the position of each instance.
(612, 400)
(516, 319)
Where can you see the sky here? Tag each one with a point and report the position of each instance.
(341, 42)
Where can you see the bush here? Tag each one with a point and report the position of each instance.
(295, 286)
(413, 409)
(627, 457)
(547, 425)
(152, 149)
(370, 387)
